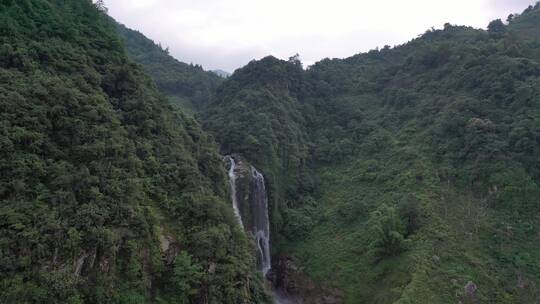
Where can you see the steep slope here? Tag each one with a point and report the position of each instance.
(107, 194)
(187, 86)
(527, 24)
(423, 165)
(256, 113)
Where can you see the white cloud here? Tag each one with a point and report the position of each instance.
(227, 34)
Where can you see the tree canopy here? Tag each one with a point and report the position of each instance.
(101, 180)
(434, 144)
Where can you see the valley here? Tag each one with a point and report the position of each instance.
(406, 174)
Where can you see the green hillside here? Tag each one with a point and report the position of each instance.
(188, 86)
(256, 113)
(404, 174)
(108, 195)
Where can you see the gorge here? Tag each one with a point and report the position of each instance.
(406, 174)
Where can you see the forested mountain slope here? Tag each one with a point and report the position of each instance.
(187, 86)
(108, 195)
(257, 113)
(403, 175)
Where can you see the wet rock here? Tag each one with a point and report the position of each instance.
(243, 174)
(250, 203)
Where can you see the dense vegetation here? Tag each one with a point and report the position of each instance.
(108, 195)
(402, 175)
(256, 113)
(187, 85)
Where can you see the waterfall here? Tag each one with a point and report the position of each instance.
(261, 222)
(254, 216)
(248, 193)
(234, 198)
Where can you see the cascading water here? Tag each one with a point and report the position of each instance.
(234, 198)
(254, 216)
(261, 222)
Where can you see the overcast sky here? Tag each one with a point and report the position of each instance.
(227, 34)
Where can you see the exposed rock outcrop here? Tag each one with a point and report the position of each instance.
(242, 172)
(289, 284)
(170, 248)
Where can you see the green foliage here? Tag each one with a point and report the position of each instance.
(300, 219)
(97, 169)
(256, 113)
(431, 146)
(496, 27)
(185, 279)
(388, 231)
(188, 86)
(409, 212)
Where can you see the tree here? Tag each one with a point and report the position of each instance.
(101, 6)
(87, 145)
(510, 18)
(408, 211)
(388, 231)
(496, 27)
(295, 59)
(185, 279)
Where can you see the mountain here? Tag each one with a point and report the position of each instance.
(187, 85)
(402, 175)
(256, 113)
(222, 73)
(108, 194)
(526, 25)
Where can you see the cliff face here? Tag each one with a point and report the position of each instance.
(288, 284)
(251, 202)
(243, 173)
